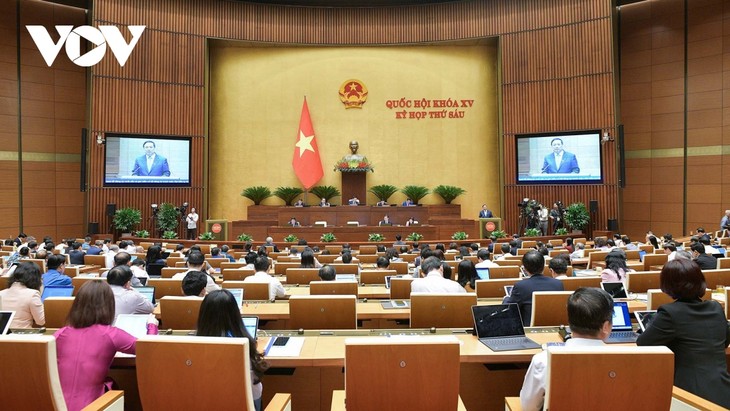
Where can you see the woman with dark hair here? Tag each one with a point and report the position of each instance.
(464, 251)
(86, 346)
(307, 259)
(653, 241)
(220, 317)
(154, 256)
(616, 268)
(467, 274)
(24, 297)
(392, 255)
(695, 330)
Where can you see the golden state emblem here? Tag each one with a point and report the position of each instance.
(353, 93)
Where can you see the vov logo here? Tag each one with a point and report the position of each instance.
(71, 37)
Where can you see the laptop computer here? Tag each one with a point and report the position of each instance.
(6, 318)
(57, 291)
(615, 289)
(644, 318)
(238, 295)
(388, 277)
(134, 324)
(499, 327)
(621, 330)
(483, 273)
(508, 290)
(345, 277)
(251, 325)
(147, 292)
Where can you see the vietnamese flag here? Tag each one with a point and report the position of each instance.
(306, 162)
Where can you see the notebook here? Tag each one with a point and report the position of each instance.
(621, 330)
(251, 324)
(615, 289)
(644, 318)
(57, 291)
(134, 324)
(483, 273)
(6, 318)
(390, 304)
(147, 292)
(238, 295)
(499, 327)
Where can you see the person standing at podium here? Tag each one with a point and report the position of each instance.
(485, 212)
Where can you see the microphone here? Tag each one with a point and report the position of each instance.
(545, 167)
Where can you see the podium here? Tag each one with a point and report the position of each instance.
(219, 228)
(487, 225)
(354, 185)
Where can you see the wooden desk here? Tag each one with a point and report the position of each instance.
(633, 264)
(363, 291)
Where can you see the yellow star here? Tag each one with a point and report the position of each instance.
(304, 143)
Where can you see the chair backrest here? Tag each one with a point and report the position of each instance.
(341, 268)
(166, 286)
(723, 262)
(508, 262)
(368, 249)
(39, 262)
(4, 282)
(301, 275)
(529, 244)
(56, 310)
(368, 258)
(281, 267)
(168, 272)
(34, 358)
(169, 366)
(493, 288)
(237, 274)
(375, 276)
(556, 242)
(549, 308)
(727, 306)
(568, 272)
(77, 282)
(179, 313)
(389, 374)
(172, 261)
(557, 252)
(512, 271)
(400, 288)
(216, 262)
(654, 259)
(714, 278)
(632, 254)
(327, 258)
(333, 288)
(409, 258)
(595, 257)
(99, 260)
(334, 249)
(640, 281)
(204, 248)
(442, 310)
(71, 271)
(656, 298)
(574, 283)
(400, 267)
(328, 312)
(638, 378)
(251, 291)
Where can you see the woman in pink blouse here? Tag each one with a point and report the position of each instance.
(23, 296)
(86, 346)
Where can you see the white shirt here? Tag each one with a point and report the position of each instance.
(129, 301)
(150, 161)
(192, 220)
(532, 395)
(558, 159)
(109, 259)
(435, 282)
(486, 263)
(275, 287)
(210, 286)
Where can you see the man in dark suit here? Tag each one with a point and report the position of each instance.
(533, 264)
(151, 164)
(560, 161)
(485, 212)
(705, 261)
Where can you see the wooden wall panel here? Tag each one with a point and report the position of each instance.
(556, 64)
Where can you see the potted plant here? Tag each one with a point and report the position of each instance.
(499, 234)
(561, 231)
(142, 233)
(257, 194)
(169, 235)
(577, 217)
(326, 192)
(288, 194)
(532, 232)
(245, 237)
(328, 238)
(125, 219)
(415, 193)
(459, 235)
(291, 238)
(448, 193)
(383, 191)
(207, 236)
(375, 237)
(414, 236)
(168, 218)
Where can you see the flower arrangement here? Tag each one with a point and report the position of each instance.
(328, 238)
(245, 237)
(414, 236)
(459, 235)
(207, 236)
(291, 238)
(347, 165)
(375, 237)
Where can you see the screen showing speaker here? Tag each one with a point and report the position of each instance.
(146, 160)
(559, 158)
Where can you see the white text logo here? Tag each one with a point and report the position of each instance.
(72, 38)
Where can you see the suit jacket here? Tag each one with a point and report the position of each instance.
(697, 332)
(569, 164)
(485, 214)
(706, 262)
(159, 168)
(522, 293)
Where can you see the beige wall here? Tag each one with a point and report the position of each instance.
(256, 97)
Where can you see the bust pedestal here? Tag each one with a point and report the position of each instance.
(354, 185)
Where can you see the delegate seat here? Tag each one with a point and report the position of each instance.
(574, 283)
(442, 310)
(327, 312)
(301, 275)
(375, 276)
(179, 313)
(549, 308)
(641, 281)
(493, 288)
(168, 272)
(98, 260)
(400, 288)
(511, 271)
(341, 268)
(56, 310)
(165, 286)
(237, 274)
(78, 282)
(333, 288)
(251, 291)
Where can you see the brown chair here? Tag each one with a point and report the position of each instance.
(508, 262)
(71, 271)
(556, 242)
(333, 288)
(442, 310)
(377, 370)
(237, 274)
(632, 254)
(595, 257)
(99, 260)
(512, 271)
(172, 261)
(549, 308)
(727, 306)
(251, 291)
(280, 268)
(40, 263)
(657, 298)
(217, 262)
(493, 288)
(375, 276)
(529, 244)
(556, 252)
(179, 313)
(166, 286)
(574, 283)
(654, 259)
(4, 282)
(170, 366)
(648, 248)
(168, 272)
(56, 310)
(568, 272)
(400, 267)
(723, 263)
(77, 282)
(409, 258)
(204, 248)
(328, 312)
(367, 258)
(333, 249)
(29, 373)
(641, 281)
(341, 268)
(301, 275)
(368, 249)
(400, 288)
(327, 258)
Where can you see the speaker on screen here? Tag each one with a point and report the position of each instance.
(82, 182)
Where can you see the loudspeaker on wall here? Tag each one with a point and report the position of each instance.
(594, 206)
(111, 209)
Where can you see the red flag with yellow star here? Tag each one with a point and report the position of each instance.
(306, 162)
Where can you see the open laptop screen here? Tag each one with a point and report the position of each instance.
(500, 320)
(621, 318)
(251, 324)
(615, 289)
(483, 273)
(238, 295)
(6, 317)
(147, 292)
